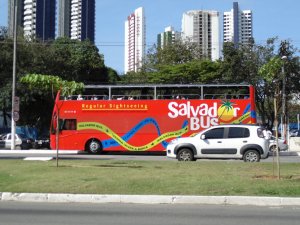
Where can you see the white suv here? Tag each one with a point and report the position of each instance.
(247, 142)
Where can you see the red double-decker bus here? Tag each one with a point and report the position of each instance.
(145, 117)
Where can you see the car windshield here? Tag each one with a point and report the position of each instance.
(22, 136)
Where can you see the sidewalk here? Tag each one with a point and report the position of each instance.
(39, 151)
(149, 199)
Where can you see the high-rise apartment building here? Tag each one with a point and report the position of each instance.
(77, 19)
(202, 27)
(64, 18)
(135, 40)
(11, 17)
(39, 19)
(237, 25)
(167, 37)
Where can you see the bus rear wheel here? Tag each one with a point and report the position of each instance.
(94, 146)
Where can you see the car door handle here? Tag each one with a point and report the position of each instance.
(219, 142)
(245, 141)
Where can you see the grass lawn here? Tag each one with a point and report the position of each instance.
(149, 177)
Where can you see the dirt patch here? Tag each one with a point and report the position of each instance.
(272, 177)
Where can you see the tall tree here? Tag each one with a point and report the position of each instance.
(69, 59)
(197, 71)
(77, 60)
(240, 64)
(38, 93)
(179, 62)
(260, 65)
(6, 59)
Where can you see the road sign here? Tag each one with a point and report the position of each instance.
(17, 104)
(16, 116)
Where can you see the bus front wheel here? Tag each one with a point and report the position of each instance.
(94, 146)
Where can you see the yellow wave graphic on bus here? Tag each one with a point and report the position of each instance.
(117, 138)
(240, 119)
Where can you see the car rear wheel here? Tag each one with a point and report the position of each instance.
(94, 146)
(251, 156)
(185, 155)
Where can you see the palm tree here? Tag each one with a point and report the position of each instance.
(227, 105)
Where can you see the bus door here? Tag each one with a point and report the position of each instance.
(67, 132)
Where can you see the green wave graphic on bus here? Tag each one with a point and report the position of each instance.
(117, 138)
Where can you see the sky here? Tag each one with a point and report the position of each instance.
(271, 18)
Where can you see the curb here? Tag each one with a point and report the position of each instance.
(289, 153)
(149, 199)
(66, 152)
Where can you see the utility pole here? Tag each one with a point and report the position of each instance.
(276, 136)
(13, 123)
(284, 119)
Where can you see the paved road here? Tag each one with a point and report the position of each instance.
(18, 213)
(7, 154)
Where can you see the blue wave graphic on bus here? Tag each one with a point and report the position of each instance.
(112, 143)
(252, 113)
(247, 109)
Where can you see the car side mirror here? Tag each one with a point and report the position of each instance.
(202, 137)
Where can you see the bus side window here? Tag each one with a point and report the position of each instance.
(69, 124)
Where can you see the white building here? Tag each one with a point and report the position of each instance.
(202, 27)
(77, 19)
(39, 19)
(167, 37)
(237, 25)
(135, 40)
(29, 17)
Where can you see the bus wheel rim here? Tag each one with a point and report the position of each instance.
(94, 146)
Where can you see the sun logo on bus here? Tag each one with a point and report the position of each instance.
(226, 111)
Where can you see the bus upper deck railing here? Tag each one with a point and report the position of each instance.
(149, 97)
(167, 92)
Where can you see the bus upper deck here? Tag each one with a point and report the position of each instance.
(163, 91)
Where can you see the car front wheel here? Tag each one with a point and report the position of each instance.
(185, 155)
(251, 156)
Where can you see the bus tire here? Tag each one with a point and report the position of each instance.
(94, 146)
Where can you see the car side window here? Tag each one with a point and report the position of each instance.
(238, 132)
(216, 133)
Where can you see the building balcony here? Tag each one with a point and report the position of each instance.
(28, 7)
(28, 1)
(27, 28)
(28, 22)
(27, 18)
(28, 11)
